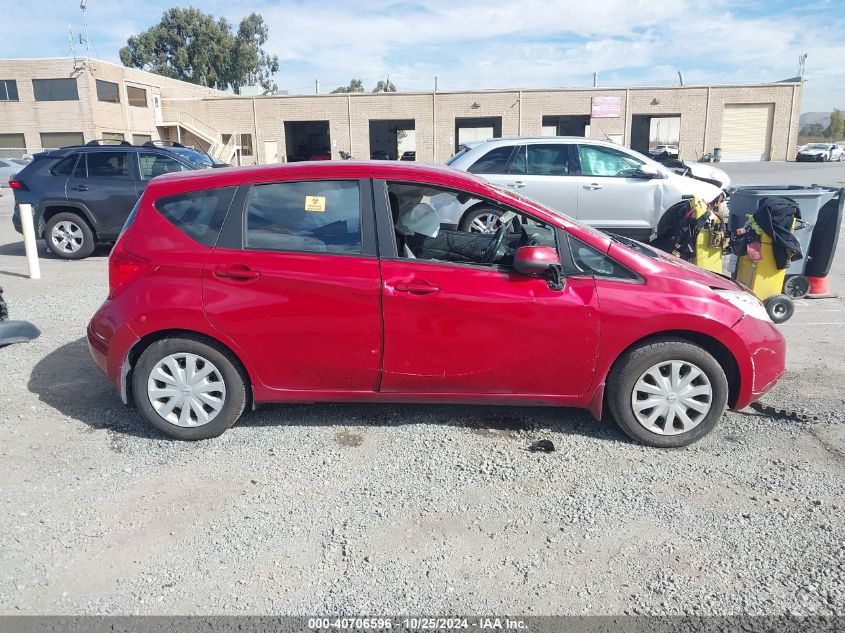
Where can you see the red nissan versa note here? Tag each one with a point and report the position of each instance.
(336, 281)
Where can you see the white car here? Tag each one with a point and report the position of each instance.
(603, 184)
(670, 150)
(820, 152)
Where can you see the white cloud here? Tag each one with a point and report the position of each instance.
(497, 44)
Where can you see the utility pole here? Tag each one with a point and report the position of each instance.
(435, 83)
(316, 86)
(595, 79)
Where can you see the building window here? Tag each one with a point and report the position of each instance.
(8, 90)
(114, 137)
(55, 90)
(12, 141)
(140, 139)
(108, 91)
(246, 143)
(54, 140)
(136, 96)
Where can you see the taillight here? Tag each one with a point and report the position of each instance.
(124, 267)
(14, 183)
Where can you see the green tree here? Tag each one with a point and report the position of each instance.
(836, 129)
(194, 46)
(813, 129)
(355, 85)
(385, 86)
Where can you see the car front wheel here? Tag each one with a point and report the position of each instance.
(189, 389)
(667, 393)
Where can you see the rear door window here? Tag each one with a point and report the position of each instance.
(493, 162)
(320, 216)
(198, 214)
(547, 160)
(107, 165)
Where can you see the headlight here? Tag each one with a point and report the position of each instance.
(746, 302)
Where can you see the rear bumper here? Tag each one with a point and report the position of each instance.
(110, 345)
(760, 351)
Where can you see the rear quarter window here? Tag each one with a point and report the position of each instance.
(64, 168)
(198, 214)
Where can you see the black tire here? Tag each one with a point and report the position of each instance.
(474, 214)
(779, 307)
(230, 370)
(633, 364)
(85, 247)
(796, 286)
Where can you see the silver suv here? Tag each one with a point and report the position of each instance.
(605, 185)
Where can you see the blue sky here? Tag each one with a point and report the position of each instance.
(493, 44)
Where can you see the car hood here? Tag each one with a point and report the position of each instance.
(670, 266)
(813, 152)
(701, 170)
(695, 187)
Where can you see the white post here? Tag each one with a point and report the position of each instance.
(29, 242)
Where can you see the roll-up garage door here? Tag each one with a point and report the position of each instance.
(747, 132)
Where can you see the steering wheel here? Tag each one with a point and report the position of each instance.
(490, 252)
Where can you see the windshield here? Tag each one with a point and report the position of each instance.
(817, 146)
(194, 157)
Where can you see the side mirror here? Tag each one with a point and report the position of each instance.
(535, 260)
(647, 171)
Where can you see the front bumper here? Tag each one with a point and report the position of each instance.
(760, 351)
(810, 158)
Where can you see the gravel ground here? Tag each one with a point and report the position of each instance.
(406, 509)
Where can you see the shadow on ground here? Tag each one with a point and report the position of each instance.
(69, 381)
(16, 248)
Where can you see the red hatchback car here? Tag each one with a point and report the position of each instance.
(336, 281)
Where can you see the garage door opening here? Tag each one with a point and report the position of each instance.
(476, 129)
(566, 125)
(307, 140)
(391, 139)
(649, 131)
(747, 132)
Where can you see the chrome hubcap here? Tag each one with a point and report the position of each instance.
(186, 390)
(67, 237)
(672, 397)
(779, 309)
(485, 223)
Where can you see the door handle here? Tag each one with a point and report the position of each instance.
(416, 287)
(237, 272)
(516, 184)
(593, 186)
(79, 188)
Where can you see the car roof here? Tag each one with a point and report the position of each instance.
(514, 140)
(435, 175)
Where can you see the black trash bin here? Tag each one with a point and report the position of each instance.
(811, 200)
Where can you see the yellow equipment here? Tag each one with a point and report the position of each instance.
(765, 280)
(708, 248)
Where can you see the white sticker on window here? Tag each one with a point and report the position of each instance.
(315, 203)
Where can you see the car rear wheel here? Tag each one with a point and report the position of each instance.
(69, 236)
(668, 393)
(188, 389)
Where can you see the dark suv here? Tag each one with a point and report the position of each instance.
(82, 195)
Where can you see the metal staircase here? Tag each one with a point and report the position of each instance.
(189, 122)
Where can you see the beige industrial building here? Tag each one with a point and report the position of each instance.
(47, 103)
